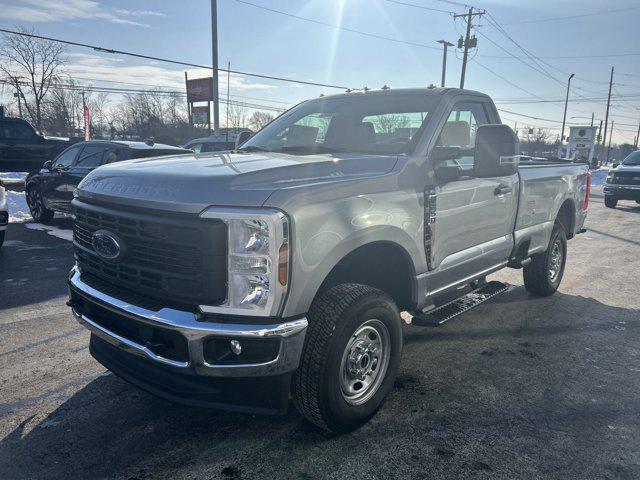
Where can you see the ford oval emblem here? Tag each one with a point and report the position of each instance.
(108, 245)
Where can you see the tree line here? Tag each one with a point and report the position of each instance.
(32, 70)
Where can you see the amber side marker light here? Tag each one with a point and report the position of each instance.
(283, 264)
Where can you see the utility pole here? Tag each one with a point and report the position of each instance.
(444, 59)
(609, 147)
(214, 63)
(592, 117)
(606, 117)
(599, 138)
(564, 118)
(19, 101)
(635, 145)
(228, 81)
(468, 41)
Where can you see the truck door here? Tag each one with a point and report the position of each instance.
(473, 223)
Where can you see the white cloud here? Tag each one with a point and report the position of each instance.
(92, 66)
(68, 10)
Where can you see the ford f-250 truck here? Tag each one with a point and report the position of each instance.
(235, 280)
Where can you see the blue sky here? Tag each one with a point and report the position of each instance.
(254, 39)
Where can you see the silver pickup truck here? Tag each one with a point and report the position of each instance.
(234, 280)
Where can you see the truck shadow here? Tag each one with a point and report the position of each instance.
(109, 428)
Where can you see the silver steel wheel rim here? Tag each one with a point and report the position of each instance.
(364, 362)
(555, 260)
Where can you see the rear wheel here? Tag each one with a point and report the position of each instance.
(39, 212)
(610, 201)
(544, 274)
(1, 238)
(350, 359)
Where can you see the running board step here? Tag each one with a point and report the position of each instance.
(439, 315)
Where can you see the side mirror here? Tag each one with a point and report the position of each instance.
(442, 154)
(47, 165)
(242, 137)
(447, 174)
(615, 165)
(496, 150)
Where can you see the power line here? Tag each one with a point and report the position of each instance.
(338, 27)
(551, 19)
(176, 62)
(422, 7)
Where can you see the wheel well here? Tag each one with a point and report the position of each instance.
(382, 265)
(566, 217)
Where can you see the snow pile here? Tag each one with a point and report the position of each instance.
(16, 201)
(599, 177)
(17, 205)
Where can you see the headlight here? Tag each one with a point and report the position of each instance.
(257, 259)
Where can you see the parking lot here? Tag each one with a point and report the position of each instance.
(520, 387)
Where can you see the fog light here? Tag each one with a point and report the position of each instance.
(235, 347)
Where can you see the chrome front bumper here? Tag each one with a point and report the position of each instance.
(290, 333)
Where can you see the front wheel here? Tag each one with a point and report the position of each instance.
(350, 359)
(543, 275)
(38, 211)
(610, 202)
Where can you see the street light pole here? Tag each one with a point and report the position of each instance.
(444, 59)
(214, 63)
(564, 118)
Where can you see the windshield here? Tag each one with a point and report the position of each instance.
(384, 124)
(632, 159)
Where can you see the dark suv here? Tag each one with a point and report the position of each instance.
(51, 189)
(623, 181)
(22, 149)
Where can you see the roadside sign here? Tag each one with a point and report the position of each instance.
(200, 90)
(200, 115)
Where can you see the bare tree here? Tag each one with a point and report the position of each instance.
(32, 65)
(238, 116)
(259, 119)
(391, 123)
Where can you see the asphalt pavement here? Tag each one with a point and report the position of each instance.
(519, 387)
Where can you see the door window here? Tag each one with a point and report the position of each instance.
(17, 130)
(66, 158)
(460, 131)
(117, 155)
(91, 156)
(196, 147)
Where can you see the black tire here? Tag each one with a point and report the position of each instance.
(543, 275)
(2, 237)
(610, 202)
(334, 318)
(39, 212)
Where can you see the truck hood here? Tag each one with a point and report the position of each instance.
(625, 168)
(193, 182)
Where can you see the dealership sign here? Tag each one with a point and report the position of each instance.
(200, 115)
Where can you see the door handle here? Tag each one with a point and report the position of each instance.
(502, 189)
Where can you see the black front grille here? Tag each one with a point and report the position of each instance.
(172, 258)
(626, 178)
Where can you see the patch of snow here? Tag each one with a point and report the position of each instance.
(12, 176)
(17, 205)
(599, 177)
(52, 230)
